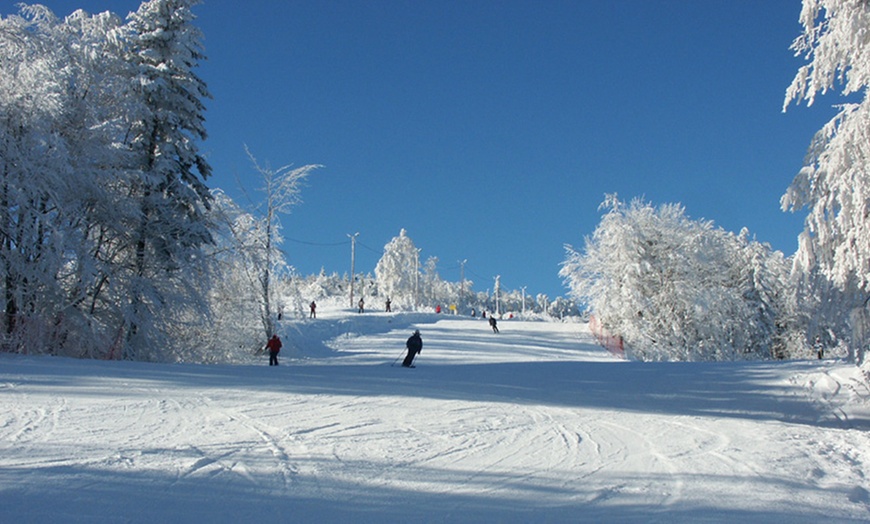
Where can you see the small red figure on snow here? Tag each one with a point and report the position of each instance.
(274, 347)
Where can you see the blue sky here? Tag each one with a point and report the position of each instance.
(491, 130)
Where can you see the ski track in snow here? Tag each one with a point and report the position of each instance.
(536, 424)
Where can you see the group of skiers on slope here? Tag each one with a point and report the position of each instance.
(414, 344)
(361, 307)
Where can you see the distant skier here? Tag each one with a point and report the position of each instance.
(313, 307)
(389, 309)
(415, 346)
(493, 324)
(362, 306)
(274, 347)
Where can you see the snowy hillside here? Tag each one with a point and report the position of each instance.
(535, 424)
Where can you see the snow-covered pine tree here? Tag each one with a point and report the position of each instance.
(167, 171)
(397, 271)
(834, 184)
(773, 322)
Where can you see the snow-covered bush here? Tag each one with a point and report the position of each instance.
(679, 289)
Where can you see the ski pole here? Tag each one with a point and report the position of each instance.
(397, 359)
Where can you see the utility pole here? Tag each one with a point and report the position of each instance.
(497, 305)
(352, 261)
(462, 281)
(524, 300)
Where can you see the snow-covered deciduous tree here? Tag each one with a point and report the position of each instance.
(322, 285)
(31, 101)
(675, 288)
(834, 184)
(234, 326)
(281, 188)
(434, 290)
(398, 271)
(57, 104)
(94, 129)
(542, 302)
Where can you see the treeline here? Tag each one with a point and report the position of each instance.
(415, 285)
(103, 202)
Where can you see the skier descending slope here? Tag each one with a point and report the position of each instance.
(415, 346)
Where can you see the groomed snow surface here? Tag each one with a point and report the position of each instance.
(535, 424)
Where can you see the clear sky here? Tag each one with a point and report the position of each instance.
(491, 130)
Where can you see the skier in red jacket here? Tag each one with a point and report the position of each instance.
(274, 346)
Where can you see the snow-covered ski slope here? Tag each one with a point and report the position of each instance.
(536, 424)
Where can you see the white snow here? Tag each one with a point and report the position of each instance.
(536, 424)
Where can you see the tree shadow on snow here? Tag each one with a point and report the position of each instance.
(726, 390)
(253, 490)
(751, 391)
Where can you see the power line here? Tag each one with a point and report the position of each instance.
(475, 274)
(375, 251)
(327, 244)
